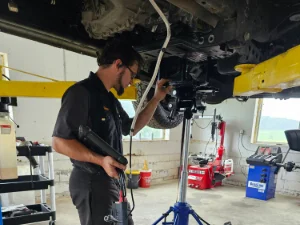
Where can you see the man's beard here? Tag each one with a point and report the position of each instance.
(120, 90)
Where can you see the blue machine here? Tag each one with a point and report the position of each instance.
(1, 221)
(261, 181)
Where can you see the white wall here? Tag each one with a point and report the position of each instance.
(37, 116)
(240, 116)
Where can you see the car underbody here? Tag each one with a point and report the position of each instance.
(209, 37)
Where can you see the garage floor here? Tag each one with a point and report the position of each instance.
(216, 206)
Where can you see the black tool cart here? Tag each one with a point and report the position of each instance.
(39, 181)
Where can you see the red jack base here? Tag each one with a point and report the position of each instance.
(206, 177)
(200, 177)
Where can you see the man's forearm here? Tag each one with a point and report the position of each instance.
(75, 150)
(145, 115)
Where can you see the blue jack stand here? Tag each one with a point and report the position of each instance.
(182, 210)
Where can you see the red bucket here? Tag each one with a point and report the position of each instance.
(145, 178)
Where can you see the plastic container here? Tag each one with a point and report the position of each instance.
(8, 152)
(228, 166)
(145, 180)
(133, 183)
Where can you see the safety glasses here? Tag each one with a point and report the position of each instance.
(133, 74)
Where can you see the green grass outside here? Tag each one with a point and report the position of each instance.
(274, 136)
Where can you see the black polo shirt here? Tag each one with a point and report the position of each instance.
(89, 103)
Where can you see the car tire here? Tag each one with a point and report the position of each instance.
(160, 118)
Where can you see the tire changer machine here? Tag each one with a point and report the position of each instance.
(209, 172)
(265, 164)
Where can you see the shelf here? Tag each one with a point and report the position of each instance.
(25, 183)
(44, 213)
(35, 150)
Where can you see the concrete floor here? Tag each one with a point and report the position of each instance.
(216, 206)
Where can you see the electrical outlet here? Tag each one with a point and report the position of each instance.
(242, 132)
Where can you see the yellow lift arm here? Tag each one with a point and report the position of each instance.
(52, 89)
(271, 76)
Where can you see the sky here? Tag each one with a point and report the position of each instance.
(128, 107)
(289, 109)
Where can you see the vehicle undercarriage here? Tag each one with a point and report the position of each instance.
(209, 38)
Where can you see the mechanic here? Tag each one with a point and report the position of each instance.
(89, 102)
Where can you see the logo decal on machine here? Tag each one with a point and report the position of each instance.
(197, 171)
(190, 177)
(260, 186)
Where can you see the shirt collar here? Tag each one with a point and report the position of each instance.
(97, 82)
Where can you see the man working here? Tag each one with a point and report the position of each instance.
(89, 102)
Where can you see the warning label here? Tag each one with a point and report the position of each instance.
(260, 186)
(5, 129)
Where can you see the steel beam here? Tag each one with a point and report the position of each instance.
(271, 76)
(51, 89)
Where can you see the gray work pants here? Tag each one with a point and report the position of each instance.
(93, 195)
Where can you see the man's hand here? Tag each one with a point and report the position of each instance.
(82, 153)
(161, 91)
(110, 165)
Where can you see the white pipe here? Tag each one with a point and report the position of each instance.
(161, 53)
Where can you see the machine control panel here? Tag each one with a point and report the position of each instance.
(265, 155)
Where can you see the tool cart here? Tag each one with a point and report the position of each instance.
(38, 181)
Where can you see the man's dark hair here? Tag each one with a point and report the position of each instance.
(118, 49)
